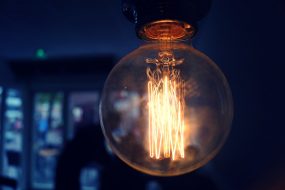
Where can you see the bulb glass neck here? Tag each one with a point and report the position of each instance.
(166, 30)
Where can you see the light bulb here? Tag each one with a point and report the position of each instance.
(166, 108)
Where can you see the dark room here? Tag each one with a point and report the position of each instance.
(142, 95)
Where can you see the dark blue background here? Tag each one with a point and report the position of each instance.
(245, 38)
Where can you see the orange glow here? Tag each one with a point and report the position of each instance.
(166, 30)
(166, 113)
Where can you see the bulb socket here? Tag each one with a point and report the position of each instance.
(150, 16)
(166, 30)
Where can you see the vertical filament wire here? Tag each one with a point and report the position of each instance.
(166, 114)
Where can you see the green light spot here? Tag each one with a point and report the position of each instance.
(41, 54)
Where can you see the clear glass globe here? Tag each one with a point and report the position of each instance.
(166, 109)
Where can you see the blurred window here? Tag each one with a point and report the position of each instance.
(13, 135)
(90, 177)
(48, 137)
(84, 110)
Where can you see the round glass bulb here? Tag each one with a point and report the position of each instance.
(166, 109)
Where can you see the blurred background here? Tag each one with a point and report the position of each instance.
(55, 56)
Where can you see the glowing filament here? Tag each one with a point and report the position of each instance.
(166, 115)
